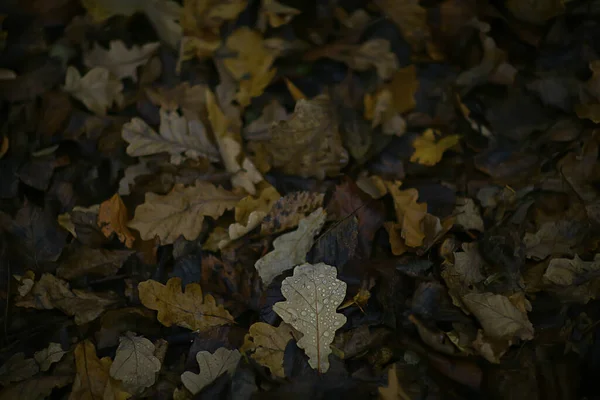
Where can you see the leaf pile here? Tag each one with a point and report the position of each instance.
(393, 199)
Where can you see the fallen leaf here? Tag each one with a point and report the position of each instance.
(290, 249)
(48, 356)
(467, 214)
(360, 300)
(119, 60)
(409, 214)
(162, 14)
(189, 308)
(251, 66)
(112, 219)
(200, 15)
(267, 345)
(18, 368)
(553, 237)
(135, 364)
(189, 98)
(97, 89)
(380, 109)
(466, 272)
(428, 151)
(181, 212)
(50, 292)
(403, 87)
(491, 349)
(250, 212)
(372, 53)
(275, 13)
(211, 367)
(498, 316)
(93, 380)
(289, 210)
(434, 338)
(393, 391)
(312, 296)
(574, 279)
(181, 138)
(130, 174)
(37, 388)
(337, 245)
(309, 143)
(536, 11)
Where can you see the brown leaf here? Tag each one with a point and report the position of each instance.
(308, 144)
(18, 368)
(393, 391)
(181, 212)
(97, 89)
(50, 355)
(403, 86)
(289, 210)
(112, 218)
(189, 309)
(50, 292)
(37, 388)
(93, 380)
(267, 345)
(574, 280)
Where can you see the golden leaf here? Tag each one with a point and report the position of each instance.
(409, 214)
(176, 135)
(119, 60)
(189, 309)
(181, 212)
(112, 218)
(93, 380)
(250, 212)
(308, 144)
(290, 249)
(267, 345)
(98, 89)
(211, 367)
(312, 295)
(428, 151)
(403, 87)
(135, 364)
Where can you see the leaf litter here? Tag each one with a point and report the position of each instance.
(393, 199)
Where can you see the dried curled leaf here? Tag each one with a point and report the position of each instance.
(312, 295)
(428, 151)
(267, 344)
(97, 89)
(93, 380)
(119, 60)
(498, 316)
(176, 136)
(309, 143)
(291, 248)
(287, 212)
(189, 309)
(135, 364)
(211, 367)
(181, 212)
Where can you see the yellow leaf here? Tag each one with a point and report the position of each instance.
(267, 345)
(181, 212)
(189, 309)
(428, 151)
(403, 86)
(294, 91)
(93, 380)
(112, 218)
(250, 212)
(98, 89)
(312, 295)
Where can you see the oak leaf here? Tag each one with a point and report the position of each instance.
(312, 295)
(112, 219)
(176, 136)
(409, 213)
(403, 87)
(39, 387)
(189, 309)
(379, 108)
(372, 53)
(289, 210)
(97, 89)
(498, 316)
(467, 215)
(574, 279)
(50, 292)
(290, 249)
(130, 174)
(267, 344)
(211, 367)
(135, 364)
(309, 143)
(275, 13)
(93, 262)
(428, 151)
(93, 380)
(48, 356)
(119, 60)
(18, 368)
(181, 212)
